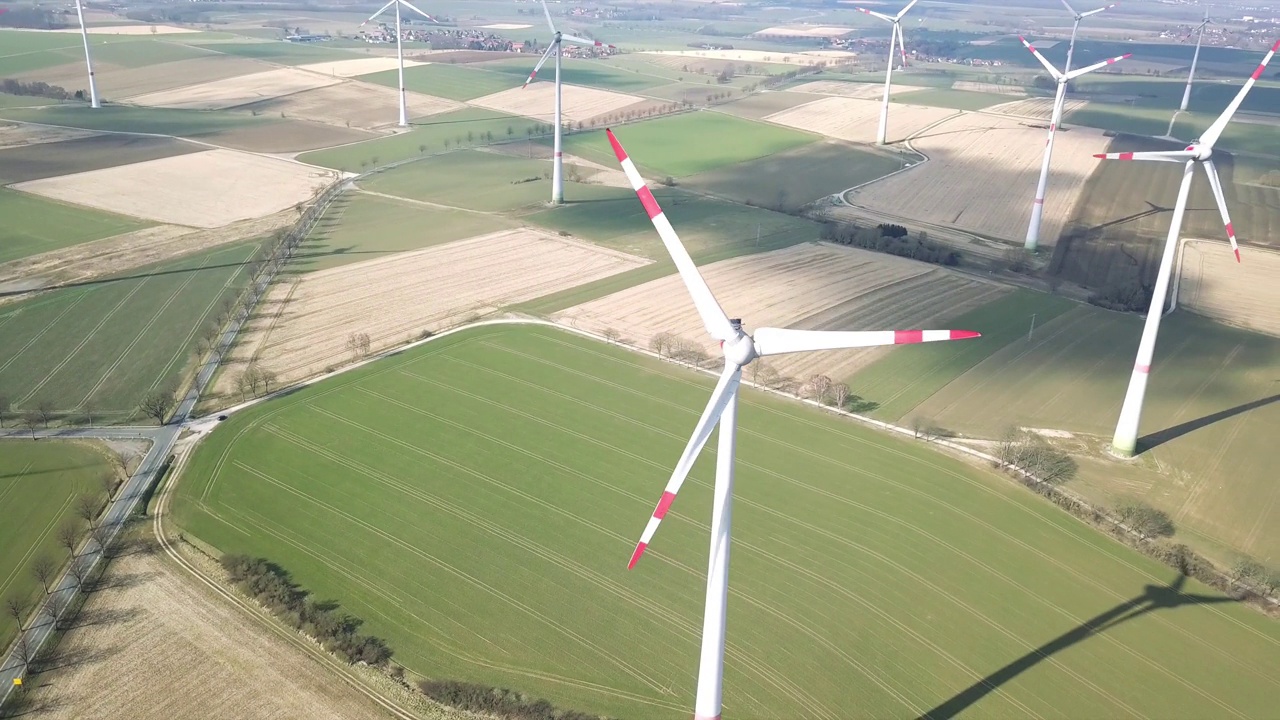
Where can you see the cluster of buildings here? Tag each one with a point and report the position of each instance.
(441, 38)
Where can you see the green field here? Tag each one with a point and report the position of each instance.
(796, 177)
(475, 502)
(361, 226)
(109, 341)
(428, 136)
(160, 121)
(680, 145)
(285, 53)
(590, 73)
(455, 82)
(34, 225)
(40, 482)
(957, 99)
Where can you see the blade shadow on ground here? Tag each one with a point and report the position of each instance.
(1153, 598)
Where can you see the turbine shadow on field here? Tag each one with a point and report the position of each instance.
(1153, 598)
(1160, 437)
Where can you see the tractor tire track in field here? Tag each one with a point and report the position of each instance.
(32, 549)
(46, 329)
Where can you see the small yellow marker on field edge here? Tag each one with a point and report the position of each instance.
(17, 682)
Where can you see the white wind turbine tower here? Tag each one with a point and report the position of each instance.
(84, 35)
(557, 165)
(739, 350)
(404, 112)
(896, 42)
(1075, 27)
(1186, 94)
(1059, 99)
(1200, 152)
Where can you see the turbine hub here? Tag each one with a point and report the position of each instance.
(740, 350)
(1203, 152)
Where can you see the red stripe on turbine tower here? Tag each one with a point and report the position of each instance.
(649, 203)
(663, 505)
(906, 337)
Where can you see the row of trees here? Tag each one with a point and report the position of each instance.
(1033, 453)
(496, 702)
(38, 89)
(891, 239)
(336, 631)
(255, 380)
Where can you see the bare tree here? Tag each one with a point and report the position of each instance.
(840, 394)
(90, 406)
(43, 569)
(69, 536)
(87, 509)
(102, 536)
(662, 343)
(919, 426)
(45, 409)
(31, 421)
(15, 608)
(819, 386)
(611, 335)
(268, 378)
(23, 651)
(251, 379)
(108, 482)
(353, 345)
(5, 405)
(157, 404)
(365, 344)
(78, 571)
(58, 603)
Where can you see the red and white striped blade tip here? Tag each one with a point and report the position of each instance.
(618, 152)
(964, 334)
(909, 337)
(1237, 252)
(635, 556)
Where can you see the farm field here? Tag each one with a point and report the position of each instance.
(1241, 294)
(203, 189)
(119, 118)
(1038, 108)
(353, 104)
(1118, 229)
(587, 73)
(475, 501)
(483, 181)
(784, 57)
(814, 286)
(154, 621)
(954, 99)
(39, 485)
(758, 106)
(452, 82)
(1208, 423)
(796, 177)
(942, 190)
(306, 323)
(283, 53)
(233, 91)
(857, 120)
(364, 226)
(578, 104)
(862, 91)
(428, 135)
(34, 225)
(109, 341)
(356, 67)
(680, 145)
(51, 159)
(118, 82)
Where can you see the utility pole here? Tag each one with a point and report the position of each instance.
(1033, 327)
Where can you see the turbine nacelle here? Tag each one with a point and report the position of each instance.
(740, 350)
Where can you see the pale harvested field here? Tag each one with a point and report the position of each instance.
(1257, 118)
(538, 101)
(1037, 108)
(233, 91)
(303, 326)
(805, 31)
(131, 30)
(863, 91)
(206, 189)
(808, 57)
(592, 172)
(815, 286)
(354, 104)
(858, 120)
(157, 645)
(20, 134)
(357, 66)
(131, 250)
(981, 176)
(1244, 294)
(122, 82)
(991, 88)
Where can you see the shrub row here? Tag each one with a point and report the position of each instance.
(498, 702)
(891, 239)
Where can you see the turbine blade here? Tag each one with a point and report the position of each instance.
(1095, 12)
(1216, 183)
(1109, 61)
(384, 9)
(547, 12)
(1070, 9)
(550, 49)
(1053, 71)
(725, 388)
(1171, 156)
(409, 5)
(777, 341)
(905, 9)
(713, 317)
(1215, 130)
(902, 43)
(582, 41)
(873, 13)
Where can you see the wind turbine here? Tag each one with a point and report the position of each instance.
(404, 114)
(1200, 152)
(84, 35)
(1186, 94)
(557, 165)
(1062, 78)
(1071, 48)
(888, 75)
(739, 350)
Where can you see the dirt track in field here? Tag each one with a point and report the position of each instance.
(303, 323)
(846, 118)
(156, 645)
(815, 286)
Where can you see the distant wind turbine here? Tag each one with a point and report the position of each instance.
(1062, 78)
(1075, 27)
(88, 62)
(1186, 94)
(557, 164)
(894, 39)
(404, 111)
(740, 349)
(1200, 152)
